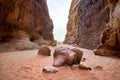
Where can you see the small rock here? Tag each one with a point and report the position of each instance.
(47, 69)
(83, 59)
(44, 50)
(98, 68)
(82, 67)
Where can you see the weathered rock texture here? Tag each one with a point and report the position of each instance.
(110, 37)
(72, 25)
(91, 16)
(44, 50)
(26, 20)
(65, 56)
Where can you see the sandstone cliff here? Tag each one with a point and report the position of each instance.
(72, 25)
(26, 20)
(95, 24)
(110, 37)
(89, 18)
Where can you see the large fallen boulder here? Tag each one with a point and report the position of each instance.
(66, 56)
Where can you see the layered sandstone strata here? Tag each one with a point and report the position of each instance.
(89, 18)
(110, 37)
(72, 25)
(27, 20)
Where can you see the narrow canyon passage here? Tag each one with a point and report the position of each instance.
(59, 11)
(92, 26)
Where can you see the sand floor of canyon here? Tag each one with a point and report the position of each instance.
(27, 65)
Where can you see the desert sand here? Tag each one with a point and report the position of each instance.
(27, 65)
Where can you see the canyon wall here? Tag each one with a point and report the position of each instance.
(87, 18)
(110, 37)
(26, 20)
(72, 25)
(95, 24)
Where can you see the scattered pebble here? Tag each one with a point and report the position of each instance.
(98, 68)
(83, 59)
(82, 67)
(47, 69)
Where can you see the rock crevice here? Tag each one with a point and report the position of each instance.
(110, 36)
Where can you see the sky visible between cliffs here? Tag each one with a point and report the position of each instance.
(59, 10)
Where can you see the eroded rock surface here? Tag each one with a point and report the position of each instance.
(25, 19)
(110, 37)
(72, 25)
(88, 17)
(44, 50)
(65, 56)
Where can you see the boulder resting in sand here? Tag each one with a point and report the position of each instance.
(44, 50)
(66, 56)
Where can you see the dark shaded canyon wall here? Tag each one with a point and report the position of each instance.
(25, 18)
(110, 36)
(23, 22)
(92, 15)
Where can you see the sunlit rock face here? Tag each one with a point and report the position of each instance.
(25, 19)
(110, 37)
(90, 16)
(72, 25)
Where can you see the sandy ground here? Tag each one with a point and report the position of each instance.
(27, 65)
